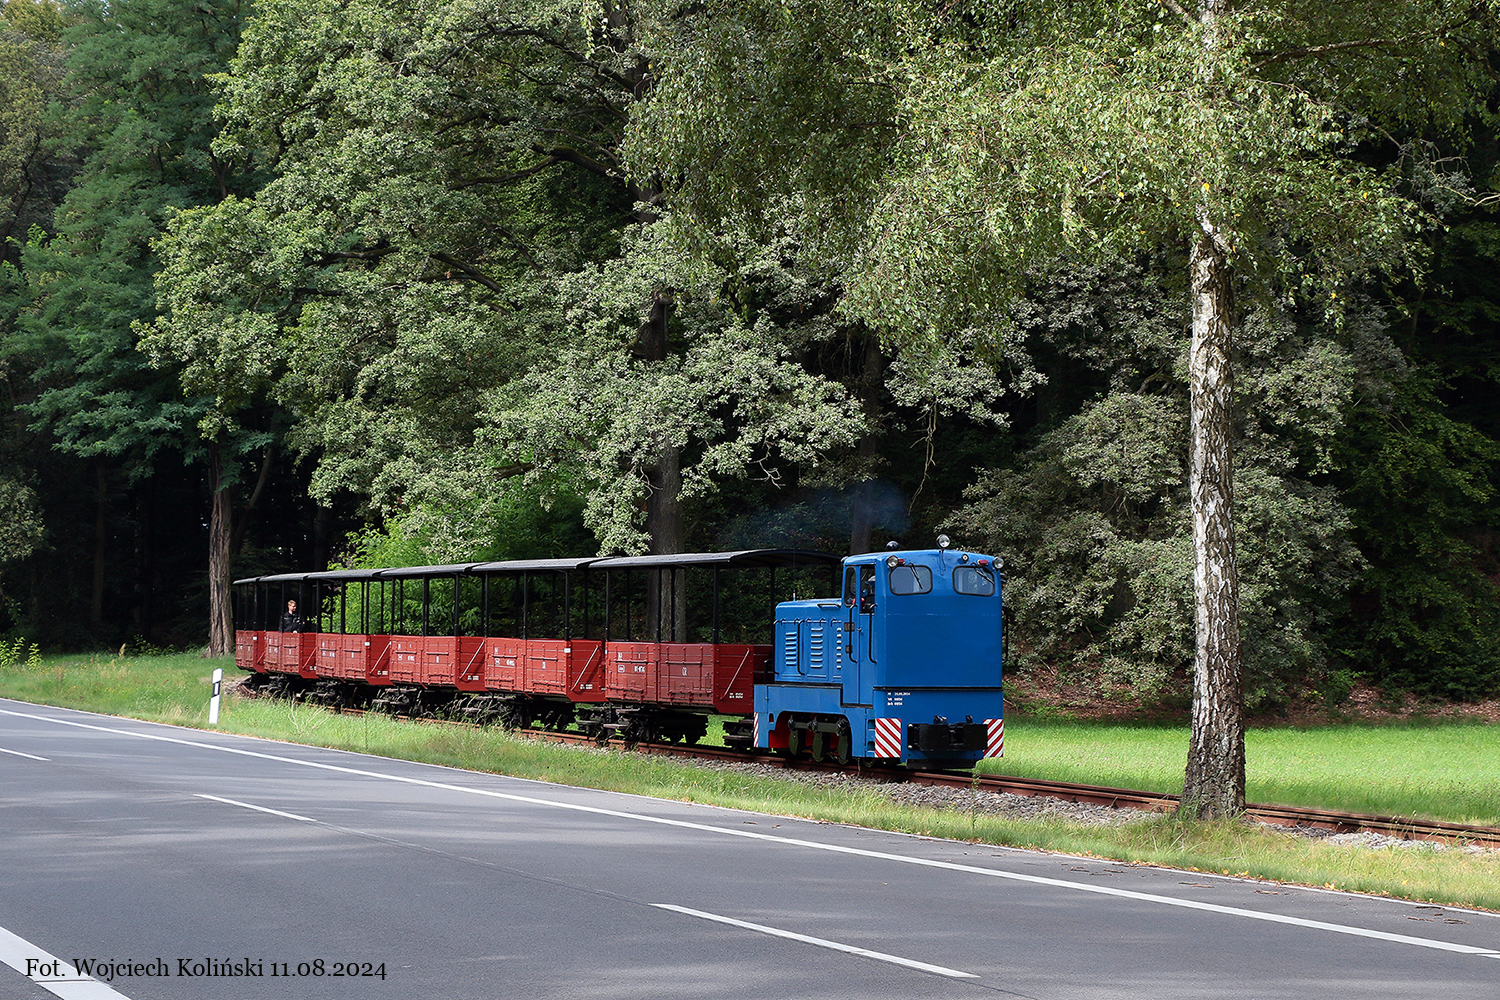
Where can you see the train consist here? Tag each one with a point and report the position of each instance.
(904, 666)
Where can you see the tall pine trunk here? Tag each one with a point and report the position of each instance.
(1215, 780)
(220, 621)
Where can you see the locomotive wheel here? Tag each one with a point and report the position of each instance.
(819, 745)
(846, 743)
(793, 741)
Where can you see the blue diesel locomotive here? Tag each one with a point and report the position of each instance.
(904, 667)
(907, 666)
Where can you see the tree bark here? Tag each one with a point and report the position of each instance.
(862, 519)
(1215, 779)
(220, 620)
(666, 605)
(237, 538)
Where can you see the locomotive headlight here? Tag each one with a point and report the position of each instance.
(890, 562)
(943, 541)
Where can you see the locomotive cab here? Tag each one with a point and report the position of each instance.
(905, 666)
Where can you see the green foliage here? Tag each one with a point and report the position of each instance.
(1421, 488)
(986, 156)
(31, 74)
(39, 20)
(1093, 520)
(445, 282)
(11, 653)
(21, 527)
(489, 267)
(520, 523)
(140, 105)
(730, 396)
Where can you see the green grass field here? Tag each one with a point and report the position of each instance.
(1442, 771)
(1448, 771)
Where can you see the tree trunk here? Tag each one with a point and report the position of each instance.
(237, 539)
(220, 620)
(664, 521)
(666, 605)
(323, 527)
(101, 532)
(862, 519)
(1215, 780)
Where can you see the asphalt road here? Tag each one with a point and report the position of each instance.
(180, 851)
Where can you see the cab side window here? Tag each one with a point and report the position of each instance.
(911, 580)
(975, 580)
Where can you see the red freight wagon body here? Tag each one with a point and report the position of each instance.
(327, 662)
(355, 658)
(452, 661)
(368, 657)
(719, 677)
(557, 668)
(505, 664)
(568, 668)
(630, 671)
(738, 667)
(406, 658)
(292, 653)
(250, 651)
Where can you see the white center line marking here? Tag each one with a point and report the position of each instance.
(19, 954)
(260, 809)
(1101, 890)
(820, 942)
(26, 755)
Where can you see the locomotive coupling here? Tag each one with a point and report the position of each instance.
(941, 736)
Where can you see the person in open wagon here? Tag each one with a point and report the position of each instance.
(290, 620)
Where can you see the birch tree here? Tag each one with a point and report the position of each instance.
(1246, 141)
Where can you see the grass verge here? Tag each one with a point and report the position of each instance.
(174, 689)
(1431, 770)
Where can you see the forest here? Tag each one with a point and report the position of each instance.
(293, 284)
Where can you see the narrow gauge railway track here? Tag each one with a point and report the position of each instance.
(1403, 827)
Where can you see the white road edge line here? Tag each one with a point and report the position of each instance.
(26, 755)
(820, 942)
(259, 809)
(16, 951)
(1101, 890)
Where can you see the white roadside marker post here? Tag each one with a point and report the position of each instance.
(213, 703)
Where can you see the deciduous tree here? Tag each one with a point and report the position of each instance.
(1033, 136)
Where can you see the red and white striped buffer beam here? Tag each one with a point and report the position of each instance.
(994, 743)
(888, 738)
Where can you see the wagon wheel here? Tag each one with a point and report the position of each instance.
(846, 742)
(819, 745)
